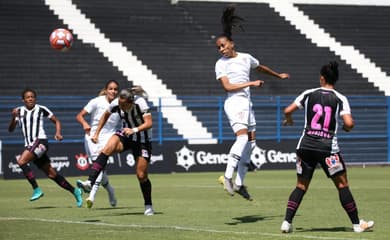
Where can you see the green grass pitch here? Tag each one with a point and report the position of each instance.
(194, 206)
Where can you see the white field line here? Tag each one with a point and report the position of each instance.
(173, 227)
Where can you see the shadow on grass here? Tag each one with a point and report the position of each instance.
(330, 229)
(43, 207)
(122, 211)
(250, 219)
(108, 208)
(135, 214)
(92, 221)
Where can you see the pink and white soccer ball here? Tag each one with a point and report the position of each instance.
(61, 39)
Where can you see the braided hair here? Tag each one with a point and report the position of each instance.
(230, 21)
(330, 72)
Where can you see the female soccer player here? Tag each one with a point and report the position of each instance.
(233, 71)
(135, 135)
(96, 107)
(30, 118)
(318, 145)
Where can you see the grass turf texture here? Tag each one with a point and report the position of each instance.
(194, 206)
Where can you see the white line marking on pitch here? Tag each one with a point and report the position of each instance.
(171, 227)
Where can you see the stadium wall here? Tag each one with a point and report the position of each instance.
(367, 144)
(70, 159)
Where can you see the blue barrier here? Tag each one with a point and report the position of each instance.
(371, 114)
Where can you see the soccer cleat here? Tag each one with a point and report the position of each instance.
(78, 194)
(37, 194)
(111, 197)
(286, 227)
(148, 210)
(242, 190)
(228, 185)
(221, 179)
(85, 185)
(89, 202)
(363, 226)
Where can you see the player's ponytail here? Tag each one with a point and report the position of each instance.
(139, 91)
(230, 21)
(330, 72)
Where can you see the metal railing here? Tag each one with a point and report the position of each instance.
(371, 114)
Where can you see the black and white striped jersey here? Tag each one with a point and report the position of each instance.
(134, 118)
(322, 108)
(32, 122)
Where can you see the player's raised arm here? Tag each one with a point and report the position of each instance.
(102, 121)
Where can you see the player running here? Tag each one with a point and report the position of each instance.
(95, 108)
(30, 118)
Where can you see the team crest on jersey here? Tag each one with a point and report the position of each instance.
(332, 161)
(334, 164)
(145, 153)
(185, 158)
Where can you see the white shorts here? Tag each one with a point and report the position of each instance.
(240, 113)
(93, 149)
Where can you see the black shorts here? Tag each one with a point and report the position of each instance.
(307, 161)
(39, 148)
(138, 149)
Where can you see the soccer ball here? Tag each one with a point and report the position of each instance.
(61, 39)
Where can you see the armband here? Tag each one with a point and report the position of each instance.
(135, 130)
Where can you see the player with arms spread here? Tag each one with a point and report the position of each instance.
(233, 71)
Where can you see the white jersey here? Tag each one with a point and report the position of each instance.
(237, 70)
(96, 107)
(31, 121)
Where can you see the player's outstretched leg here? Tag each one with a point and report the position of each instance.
(78, 195)
(37, 194)
(84, 185)
(110, 190)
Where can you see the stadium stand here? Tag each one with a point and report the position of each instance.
(177, 43)
(28, 61)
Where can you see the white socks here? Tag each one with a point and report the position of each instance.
(243, 164)
(235, 154)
